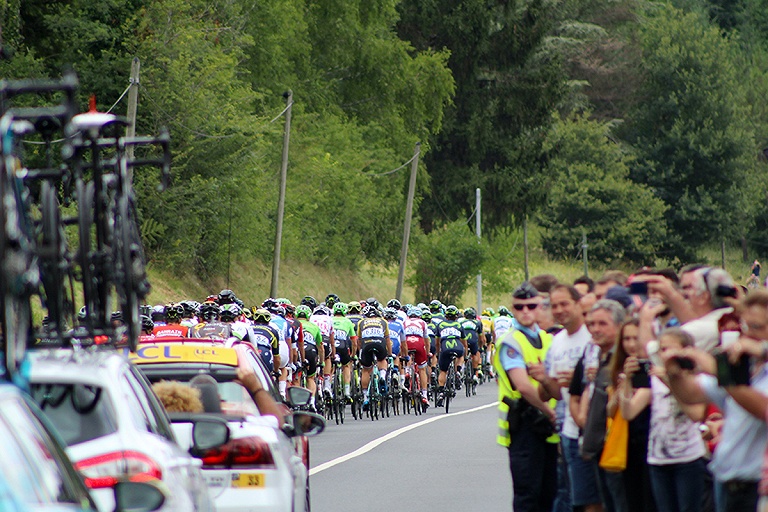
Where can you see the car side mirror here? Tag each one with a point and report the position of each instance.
(303, 423)
(138, 496)
(298, 396)
(208, 432)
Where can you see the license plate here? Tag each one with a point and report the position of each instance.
(248, 480)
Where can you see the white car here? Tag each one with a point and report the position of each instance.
(260, 469)
(113, 425)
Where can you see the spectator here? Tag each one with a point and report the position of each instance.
(588, 398)
(635, 478)
(178, 397)
(734, 466)
(556, 374)
(584, 285)
(543, 282)
(608, 281)
(675, 447)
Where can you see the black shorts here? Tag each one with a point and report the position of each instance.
(472, 345)
(326, 347)
(344, 350)
(371, 349)
(310, 353)
(445, 357)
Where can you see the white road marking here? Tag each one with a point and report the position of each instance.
(376, 442)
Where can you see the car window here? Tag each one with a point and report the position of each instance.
(40, 452)
(236, 399)
(263, 373)
(162, 424)
(80, 413)
(141, 396)
(133, 405)
(16, 470)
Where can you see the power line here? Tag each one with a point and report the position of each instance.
(392, 171)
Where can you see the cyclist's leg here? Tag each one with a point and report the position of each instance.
(311, 354)
(346, 373)
(366, 360)
(328, 368)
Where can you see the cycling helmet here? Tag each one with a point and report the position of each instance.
(390, 313)
(146, 323)
(290, 309)
(209, 311)
(470, 313)
(230, 312)
(226, 297)
(339, 308)
(435, 306)
(240, 303)
(261, 316)
(426, 315)
(158, 313)
(371, 301)
(303, 311)
(269, 304)
(212, 298)
(415, 312)
(451, 312)
(504, 311)
(283, 301)
(174, 312)
(310, 302)
(370, 311)
(322, 310)
(247, 314)
(189, 308)
(82, 313)
(394, 303)
(331, 300)
(145, 309)
(116, 316)
(354, 307)
(405, 307)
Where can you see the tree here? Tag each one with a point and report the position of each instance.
(446, 261)
(691, 128)
(593, 195)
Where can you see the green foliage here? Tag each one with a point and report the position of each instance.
(445, 262)
(694, 141)
(593, 195)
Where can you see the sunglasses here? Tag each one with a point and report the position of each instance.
(520, 307)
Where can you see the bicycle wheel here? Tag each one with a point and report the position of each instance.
(84, 192)
(131, 274)
(449, 386)
(354, 390)
(52, 261)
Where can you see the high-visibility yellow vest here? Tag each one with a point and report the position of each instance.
(531, 355)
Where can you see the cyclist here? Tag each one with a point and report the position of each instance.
(265, 339)
(417, 339)
(297, 340)
(397, 335)
(451, 338)
(173, 327)
(157, 315)
(226, 297)
(345, 339)
(310, 302)
(475, 339)
(189, 317)
(503, 323)
(353, 313)
(373, 336)
(331, 299)
(398, 307)
(280, 324)
(147, 326)
(487, 319)
(426, 315)
(313, 348)
(436, 308)
(210, 326)
(321, 317)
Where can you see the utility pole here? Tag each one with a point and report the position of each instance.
(408, 216)
(722, 250)
(133, 102)
(525, 247)
(584, 247)
(288, 95)
(479, 241)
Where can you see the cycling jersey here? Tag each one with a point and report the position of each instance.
(432, 332)
(501, 325)
(171, 331)
(355, 319)
(267, 342)
(487, 326)
(373, 330)
(415, 334)
(312, 334)
(451, 334)
(472, 329)
(216, 330)
(324, 322)
(343, 332)
(396, 335)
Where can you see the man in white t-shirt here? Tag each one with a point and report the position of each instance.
(556, 372)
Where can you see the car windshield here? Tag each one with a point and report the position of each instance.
(79, 412)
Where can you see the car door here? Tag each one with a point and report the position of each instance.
(189, 468)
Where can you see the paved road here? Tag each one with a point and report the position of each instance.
(447, 463)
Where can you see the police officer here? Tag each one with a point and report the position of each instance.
(526, 423)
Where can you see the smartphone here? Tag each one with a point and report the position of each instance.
(685, 363)
(641, 378)
(638, 288)
(733, 374)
